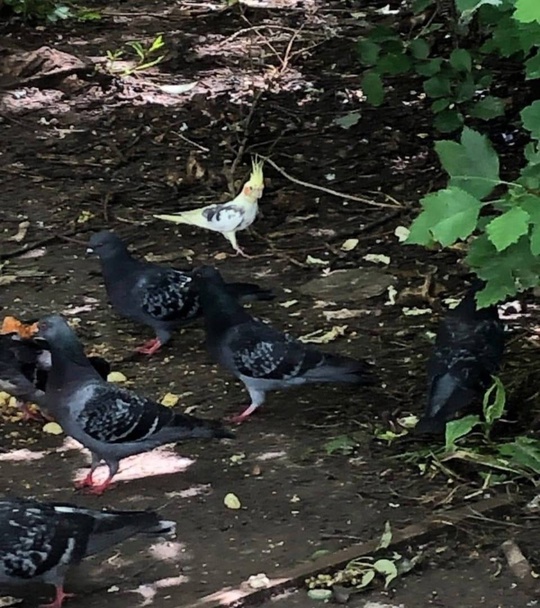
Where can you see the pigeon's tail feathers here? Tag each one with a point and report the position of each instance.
(337, 368)
(112, 527)
(249, 292)
(430, 426)
(190, 427)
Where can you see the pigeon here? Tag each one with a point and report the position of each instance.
(160, 297)
(262, 357)
(40, 541)
(227, 218)
(112, 422)
(468, 351)
(24, 365)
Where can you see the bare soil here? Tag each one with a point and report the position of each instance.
(83, 150)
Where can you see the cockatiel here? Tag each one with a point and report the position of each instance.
(228, 218)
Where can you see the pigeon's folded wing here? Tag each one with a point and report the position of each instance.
(166, 295)
(114, 415)
(259, 351)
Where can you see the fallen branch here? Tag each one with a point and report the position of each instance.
(349, 197)
(418, 533)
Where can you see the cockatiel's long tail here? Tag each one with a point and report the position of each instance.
(227, 218)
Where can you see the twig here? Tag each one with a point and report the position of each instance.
(253, 28)
(349, 197)
(193, 143)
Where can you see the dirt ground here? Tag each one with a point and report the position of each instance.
(84, 150)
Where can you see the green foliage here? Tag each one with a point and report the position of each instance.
(145, 56)
(50, 10)
(468, 439)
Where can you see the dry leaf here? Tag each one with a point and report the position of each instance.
(344, 313)
(258, 581)
(329, 336)
(349, 244)
(232, 501)
(289, 303)
(170, 400)
(220, 256)
(377, 258)
(21, 232)
(402, 233)
(416, 312)
(316, 261)
(116, 377)
(84, 217)
(52, 428)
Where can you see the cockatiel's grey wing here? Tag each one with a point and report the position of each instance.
(226, 217)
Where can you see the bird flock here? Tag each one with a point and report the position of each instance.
(48, 366)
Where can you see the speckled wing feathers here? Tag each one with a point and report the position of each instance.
(167, 295)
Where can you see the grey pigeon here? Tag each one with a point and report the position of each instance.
(468, 351)
(112, 422)
(262, 357)
(40, 541)
(157, 296)
(24, 364)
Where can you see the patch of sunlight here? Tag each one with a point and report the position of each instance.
(149, 591)
(160, 461)
(271, 455)
(167, 550)
(22, 454)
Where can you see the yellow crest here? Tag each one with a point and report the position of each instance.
(256, 179)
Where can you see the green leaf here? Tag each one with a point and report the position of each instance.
(440, 104)
(369, 51)
(472, 5)
(381, 33)
(386, 537)
(473, 164)
(366, 579)
(437, 86)
(535, 240)
(429, 68)
(461, 60)
(388, 569)
(393, 64)
(466, 89)
(508, 228)
(342, 444)
(448, 215)
(532, 67)
(488, 108)
(372, 87)
(455, 429)
(524, 451)
(527, 11)
(493, 410)
(419, 48)
(531, 119)
(419, 6)
(448, 120)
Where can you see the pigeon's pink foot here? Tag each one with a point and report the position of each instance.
(239, 418)
(100, 488)
(29, 414)
(150, 347)
(87, 482)
(59, 599)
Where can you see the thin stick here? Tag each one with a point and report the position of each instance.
(349, 197)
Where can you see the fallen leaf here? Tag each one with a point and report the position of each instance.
(258, 581)
(170, 400)
(288, 304)
(347, 121)
(21, 232)
(316, 261)
(392, 293)
(232, 501)
(416, 312)
(116, 377)
(178, 89)
(220, 256)
(386, 537)
(349, 244)
(329, 336)
(84, 217)
(402, 233)
(377, 258)
(52, 428)
(320, 594)
(344, 313)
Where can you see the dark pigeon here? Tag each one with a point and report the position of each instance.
(112, 422)
(40, 541)
(468, 351)
(160, 297)
(262, 357)
(24, 366)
